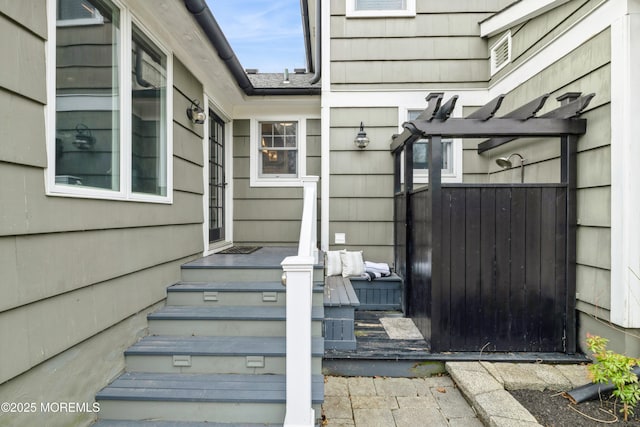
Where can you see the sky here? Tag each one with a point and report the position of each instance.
(264, 34)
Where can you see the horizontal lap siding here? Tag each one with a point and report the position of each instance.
(361, 198)
(439, 46)
(70, 268)
(268, 215)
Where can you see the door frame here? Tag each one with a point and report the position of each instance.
(210, 247)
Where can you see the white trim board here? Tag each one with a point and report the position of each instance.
(625, 199)
(590, 25)
(515, 14)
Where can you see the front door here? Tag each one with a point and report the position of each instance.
(217, 181)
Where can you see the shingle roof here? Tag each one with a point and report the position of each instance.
(276, 80)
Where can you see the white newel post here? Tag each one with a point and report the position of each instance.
(299, 282)
(298, 278)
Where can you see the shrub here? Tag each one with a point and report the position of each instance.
(617, 369)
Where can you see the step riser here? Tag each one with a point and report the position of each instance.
(239, 275)
(225, 328)
(213, 365)
(229, 299)
(195, 411)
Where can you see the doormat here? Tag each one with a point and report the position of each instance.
(240, 250)
(401, 328)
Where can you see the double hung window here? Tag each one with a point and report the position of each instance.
(278, 152)
(109, 104)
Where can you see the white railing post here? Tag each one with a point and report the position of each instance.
(298, 278)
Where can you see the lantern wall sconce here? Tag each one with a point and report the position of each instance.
(195, 113)
(361, 140)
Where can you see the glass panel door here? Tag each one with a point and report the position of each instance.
(217, 182)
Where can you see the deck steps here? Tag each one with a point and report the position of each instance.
(226, 321)
(232, 293)
(215, 355)
(199, 397)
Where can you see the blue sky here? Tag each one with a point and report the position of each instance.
(264, 34)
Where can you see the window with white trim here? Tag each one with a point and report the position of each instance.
(451, 157)
(109, 102)
(277, 155)
(500, 54)
(380, 8)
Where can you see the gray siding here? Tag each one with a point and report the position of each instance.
(268, 215)
(361, 199)
(72, 270)
(439, 47)
(531, 36)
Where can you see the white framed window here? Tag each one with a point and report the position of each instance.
(451, 157)
(380, 8)
(109, 109)
(500, 53)
(278, 151)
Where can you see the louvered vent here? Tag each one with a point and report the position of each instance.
(501, 53)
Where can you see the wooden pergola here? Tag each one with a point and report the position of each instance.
(426, 233)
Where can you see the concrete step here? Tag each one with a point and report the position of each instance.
(233, 293)
(215, 355)
(226, 321)
(200, 398)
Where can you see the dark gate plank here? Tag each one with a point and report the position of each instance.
(473, 299)
(547, 269)
(489, 308)
(517, 284)
(457, 306)
(503, 316)
(560, 299)
(445, 285)
(532, 269)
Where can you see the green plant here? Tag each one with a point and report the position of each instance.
(617, 369)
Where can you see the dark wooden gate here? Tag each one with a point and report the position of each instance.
(489, 267)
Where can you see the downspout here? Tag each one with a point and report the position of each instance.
(204, 17)
(318, 65)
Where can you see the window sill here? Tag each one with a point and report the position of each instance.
(382, 14)
(96, 194)
(276, 182)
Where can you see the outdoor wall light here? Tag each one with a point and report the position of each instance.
(83, 140)
(195, 113)
(505, 163)
(361, 140)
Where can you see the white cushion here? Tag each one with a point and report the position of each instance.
(352, 263)
(334, 263)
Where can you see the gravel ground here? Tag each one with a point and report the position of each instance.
(553, 410)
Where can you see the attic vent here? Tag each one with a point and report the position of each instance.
(501, 53)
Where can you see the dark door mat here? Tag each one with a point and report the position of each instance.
(240, 250)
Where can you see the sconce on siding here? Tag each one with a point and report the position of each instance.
(195, 113)
(361, 140)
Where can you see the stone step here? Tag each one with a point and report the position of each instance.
(226, 321)
(199, 397)
(233, 293)
(215, 355)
